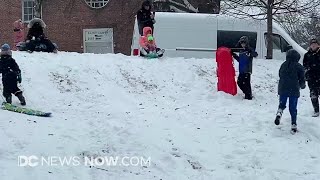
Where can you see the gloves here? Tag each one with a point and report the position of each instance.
(19, 79)
(306, 74)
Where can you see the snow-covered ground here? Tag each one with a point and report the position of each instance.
(167, 109)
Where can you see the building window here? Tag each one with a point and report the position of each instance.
(97, 3)
(230, 39)
(27, 10)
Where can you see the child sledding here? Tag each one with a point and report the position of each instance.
(148, 47)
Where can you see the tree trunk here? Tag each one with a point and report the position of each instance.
(269, 30)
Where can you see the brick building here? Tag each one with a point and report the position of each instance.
(73, 24)
(98, 26)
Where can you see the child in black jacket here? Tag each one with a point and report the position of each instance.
(11, 75)
(292, 79)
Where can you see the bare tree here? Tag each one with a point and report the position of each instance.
(268, 10)
(38, 8)
(296, 27)
(190, 6)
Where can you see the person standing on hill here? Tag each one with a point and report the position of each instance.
(311, 63)
(292, 79)
(245, 59)
(145, 17)
(11, 75)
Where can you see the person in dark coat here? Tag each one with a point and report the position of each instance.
(36, 39)
(311, 63)
(292, 79)
(245, 59)
(145, 17)
(11, 75)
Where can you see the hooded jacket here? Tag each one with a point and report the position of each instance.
(36, 27)
(144, 42)
(8, 65)
(291, 75)
(144, 16)
(245, 56)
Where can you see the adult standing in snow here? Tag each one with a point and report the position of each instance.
(292, 78)
(145, 17)
(245, 58)
(11, 75)
(311, 63)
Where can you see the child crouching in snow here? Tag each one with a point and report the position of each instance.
(291, 80)
(11, 75)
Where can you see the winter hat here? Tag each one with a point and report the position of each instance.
(5, 50)
(150, 38)
(293, 55)
(244, 39)
(314, 40)
(39, 22)
(146, 3)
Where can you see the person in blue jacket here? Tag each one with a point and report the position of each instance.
(245, 58)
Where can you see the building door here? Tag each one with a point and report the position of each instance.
(98, 41)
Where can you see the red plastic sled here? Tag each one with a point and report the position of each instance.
(225, 71)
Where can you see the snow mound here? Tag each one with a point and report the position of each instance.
(166, 109)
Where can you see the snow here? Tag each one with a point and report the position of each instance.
(166, 109)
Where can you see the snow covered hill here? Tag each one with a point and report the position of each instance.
(167, 109)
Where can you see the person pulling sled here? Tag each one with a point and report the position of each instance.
(148, 45)
(11, 75)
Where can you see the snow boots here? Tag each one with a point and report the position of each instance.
(278, 117)
(294, 128)
(19, 96)
(248, 96)
(9, 99)
(315, 104)
(315, 114)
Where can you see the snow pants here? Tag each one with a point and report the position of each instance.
(293, 103)
(244, 83)
(314, 95)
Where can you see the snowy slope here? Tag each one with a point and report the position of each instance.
(168, 109)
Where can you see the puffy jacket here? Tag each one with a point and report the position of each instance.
(292, 76)
(8, 65)
(144, 42)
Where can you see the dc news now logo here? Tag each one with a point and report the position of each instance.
(33, 161)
